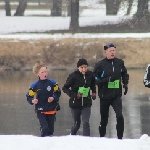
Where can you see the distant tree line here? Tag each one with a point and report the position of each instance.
(112, 7)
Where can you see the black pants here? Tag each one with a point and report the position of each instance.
(116, 103)
(76, 114)
(46, 123)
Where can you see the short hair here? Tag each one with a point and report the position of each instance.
(108, 45)
(38, 66)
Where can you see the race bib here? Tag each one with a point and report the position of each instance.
(84, 91)
(114, 84)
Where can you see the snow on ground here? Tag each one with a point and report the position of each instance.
(95, 14)
(29, 142)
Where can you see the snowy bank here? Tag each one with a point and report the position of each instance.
(29, 142)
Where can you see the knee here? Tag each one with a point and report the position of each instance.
(77, 125)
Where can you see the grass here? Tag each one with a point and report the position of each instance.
(64, 53)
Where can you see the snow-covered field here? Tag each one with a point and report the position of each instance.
(94, 14)
(29, 142)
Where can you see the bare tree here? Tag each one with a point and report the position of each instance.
(69, 7)
(141, 19)
(57, 8)
(112, 6)
(142, 9)
(21, 8)
(74, 23)
(7, 8)
(130, 3)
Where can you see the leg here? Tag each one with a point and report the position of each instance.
(76, 114)
(50, 120)
(117, 106)
(86, 113)
(43, 124)
(104, 111)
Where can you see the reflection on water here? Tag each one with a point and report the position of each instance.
(18, 117)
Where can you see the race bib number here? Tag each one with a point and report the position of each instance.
(114, 84)
(84, 91)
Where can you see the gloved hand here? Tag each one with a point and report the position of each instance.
(126, 89)
(79, 95)
(93, 96)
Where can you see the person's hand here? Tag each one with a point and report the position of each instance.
(93, 96)
(35, 101)
(112, 79)
(126, 89)
(50, 99)
(79, 95)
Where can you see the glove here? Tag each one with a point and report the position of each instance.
(126, 89)
(79, 95)
(93, 96)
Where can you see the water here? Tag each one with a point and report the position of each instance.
(18, 117)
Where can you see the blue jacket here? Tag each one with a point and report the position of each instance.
(42, 90)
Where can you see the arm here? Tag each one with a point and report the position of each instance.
(56, 91)
(93, 88)
(125, 75)
(125, 79)
(30, 95)
(93, 85)
(99, 75)
(67, 85)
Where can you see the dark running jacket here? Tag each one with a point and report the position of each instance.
(73, 82)
(105, 69)
(42, 90)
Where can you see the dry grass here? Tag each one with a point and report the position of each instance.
(64, 53)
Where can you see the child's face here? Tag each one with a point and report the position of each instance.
(83, 69)
(42, 74)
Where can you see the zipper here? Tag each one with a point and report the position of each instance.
(84, 84)
(113, 66)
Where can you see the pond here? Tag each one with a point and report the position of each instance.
(18, 117)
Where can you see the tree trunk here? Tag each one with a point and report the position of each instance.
(21, 8)
(69, 7)
(74, 23)
(7, 8)
(130, 2)
(57, 8)
(142, 9)
(112, 7)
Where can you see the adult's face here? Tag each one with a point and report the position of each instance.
(110, 53)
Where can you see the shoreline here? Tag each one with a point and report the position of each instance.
(60, 68)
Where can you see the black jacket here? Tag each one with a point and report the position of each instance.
(42, 90)
(146, 80)
(71, 87)
(105, 69)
